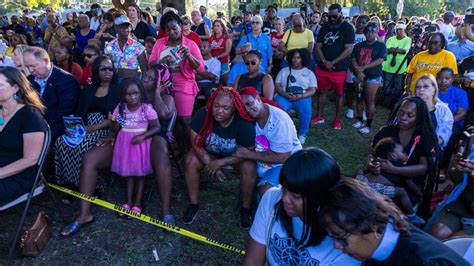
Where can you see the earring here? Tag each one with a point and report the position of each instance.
(15, 97)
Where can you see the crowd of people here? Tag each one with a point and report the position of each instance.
(234, 86)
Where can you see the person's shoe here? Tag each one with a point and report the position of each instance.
(302, 139)
(245, 218)
(317, 120)
(191, 213)
(169, 219)
(336, 124)
(415, 219)
(364, 116)
(358, 124)
(350, 114)
(364, 130)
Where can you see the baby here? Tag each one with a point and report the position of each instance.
(388, 149)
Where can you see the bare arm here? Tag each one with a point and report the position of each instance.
(266, 156)
(143, 62)
(153, 129)
(207, 31)
(228, 48)
(408, 82)
(310, 48)
(236, 82)
(406, 171)
(268, 87)
(255, 254)
(32, 145)
(460, 114)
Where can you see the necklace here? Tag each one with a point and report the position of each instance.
(2, 121)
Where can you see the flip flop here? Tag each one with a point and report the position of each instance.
(137, 209)
(73, 227)
(126, 207)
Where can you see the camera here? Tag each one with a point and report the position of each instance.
(416, 30)
(469, 17)
(429, 27)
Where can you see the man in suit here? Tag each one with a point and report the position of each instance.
(58, 89)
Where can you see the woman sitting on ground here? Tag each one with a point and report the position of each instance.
(22, 130)
(370, 228)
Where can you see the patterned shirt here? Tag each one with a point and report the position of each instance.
(128, 58)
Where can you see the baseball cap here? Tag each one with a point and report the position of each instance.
(400, 26)
(122, 20)
(246, 12)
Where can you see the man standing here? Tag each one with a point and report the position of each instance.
(157, 18)
(397, 47)
(15, 26)
(446, 27)
(57, 88)
(270, 16)
(205, 18)
(334, 46)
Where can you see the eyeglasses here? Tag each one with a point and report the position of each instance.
(255, 22)
(341, 240)
(253, 63)
(90, 55)
(110, 69)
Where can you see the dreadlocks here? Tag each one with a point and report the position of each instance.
(424, 127)
(208, 124)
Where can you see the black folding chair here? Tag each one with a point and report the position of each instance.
(39, 186)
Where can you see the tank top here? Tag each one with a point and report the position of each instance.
(218, 47)
(199, 29)
(256, 82)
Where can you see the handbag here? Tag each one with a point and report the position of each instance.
(292, 89)
(34, 239)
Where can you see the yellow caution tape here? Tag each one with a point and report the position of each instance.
(148, 219)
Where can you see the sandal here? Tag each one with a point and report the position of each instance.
(137, 210)
(126, 207)
(73, 227)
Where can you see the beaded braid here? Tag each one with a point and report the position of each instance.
(208, 124)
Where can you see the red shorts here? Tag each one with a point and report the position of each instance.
(331, 80)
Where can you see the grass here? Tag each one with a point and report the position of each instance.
(114, 240)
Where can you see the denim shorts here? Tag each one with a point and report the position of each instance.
(270, 176)
(377, 80)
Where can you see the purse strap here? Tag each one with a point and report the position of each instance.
(288, 39)
(288, 80)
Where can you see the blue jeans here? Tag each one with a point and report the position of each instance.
(302, 107)
(269, 177)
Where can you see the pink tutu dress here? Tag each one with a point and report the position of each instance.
(131, 159)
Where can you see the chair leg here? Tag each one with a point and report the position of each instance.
(151, 191)
(55, 201)
(175, 159)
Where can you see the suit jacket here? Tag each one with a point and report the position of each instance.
(60, 98)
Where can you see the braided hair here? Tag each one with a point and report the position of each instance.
(123, 100)
(208, 124)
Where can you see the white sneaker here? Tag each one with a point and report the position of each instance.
(302, 139)
(364, 116)
(358, 124)
(350, 114)
(364, 130)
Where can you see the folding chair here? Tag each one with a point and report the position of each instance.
(39, 186)
(169, 129)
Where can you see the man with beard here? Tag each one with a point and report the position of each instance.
(334, 46)
(270, 17)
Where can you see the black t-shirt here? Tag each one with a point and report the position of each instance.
(141, 31)
(268, 28)
(366, 53)
(25, 120)
(199, 29)
(333, 41)
(224, 141)
(415, 150)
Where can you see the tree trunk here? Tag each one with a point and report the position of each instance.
(178, 4)
(122, 4)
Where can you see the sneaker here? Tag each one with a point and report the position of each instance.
(302, 139)
(317, 120)
(364, 116)
(350, 114)
(190, 213)
(169, 219)
(336, 124)
(245, 218)
(415, 219)
(364, 130)
(358, 124)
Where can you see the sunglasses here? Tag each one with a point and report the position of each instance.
(342, 240)
(297, 26)
(253, 63)
(90, 55)
(110, 69)
(333, 16)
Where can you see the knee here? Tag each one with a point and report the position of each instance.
(159, 146)
(441, 231)
(248, 170)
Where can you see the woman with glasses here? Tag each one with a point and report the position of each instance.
(295, 85)
(95, 103)
(286, 230)
(256, 40)
(370, 228)
(84, 33)
(262, 82)
(91, 52)
(188, 33)
(298, 37)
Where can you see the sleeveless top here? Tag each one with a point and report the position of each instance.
(256, 82)
(199, 29)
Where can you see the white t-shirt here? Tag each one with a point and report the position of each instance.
(283, 250)
(448, 31)
(94, 24)
(304, 78)
(278, 135)
(212, 65)
(359, 38)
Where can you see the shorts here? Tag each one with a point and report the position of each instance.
(269, 177)
(224, 68)
(331, 80)
(184, 103)
(377, 80)
(383, 189)
(451, 216)
(349, 77)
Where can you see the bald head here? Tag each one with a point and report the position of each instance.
(37, 61)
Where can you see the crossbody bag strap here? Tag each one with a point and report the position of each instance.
(288, 39)
(288, 80)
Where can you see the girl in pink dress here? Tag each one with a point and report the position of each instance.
(136, 122)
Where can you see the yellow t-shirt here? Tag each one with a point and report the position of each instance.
(425, 63)
(298, 40)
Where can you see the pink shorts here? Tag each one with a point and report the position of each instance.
(184, 103)
(331, 80)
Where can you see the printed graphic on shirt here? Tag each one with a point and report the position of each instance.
(218, 145)
(285, 252)
(330, 38)
(365, 56)
(262, 144)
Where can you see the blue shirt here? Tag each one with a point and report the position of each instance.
(461, 50)
(238, 69)
(455, 98)
(246, 25)
(262, 43)
(208, 21)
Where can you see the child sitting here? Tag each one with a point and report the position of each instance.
(388, 149)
